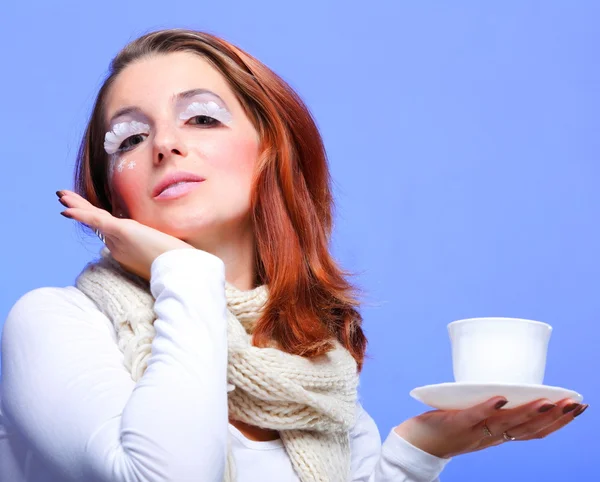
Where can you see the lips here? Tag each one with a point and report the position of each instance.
(173, 178)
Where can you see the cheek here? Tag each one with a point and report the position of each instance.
(231, 158)
(129, 181)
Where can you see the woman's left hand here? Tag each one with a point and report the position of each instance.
(447, 433)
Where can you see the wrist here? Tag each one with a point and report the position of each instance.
(413, 436)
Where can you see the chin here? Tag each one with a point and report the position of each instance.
(186, 226)
(184, 230)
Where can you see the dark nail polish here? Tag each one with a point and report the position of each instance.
(570, 407)
(59, 193)
(66, 215)
(580, 410)
(545, 408)
(60, 200)
(500, 404)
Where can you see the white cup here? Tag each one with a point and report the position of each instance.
(499, 350)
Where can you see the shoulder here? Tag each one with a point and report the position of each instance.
(50, 308)
(48, 334)
(54, 295)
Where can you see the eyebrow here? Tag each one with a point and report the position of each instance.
(181, 95)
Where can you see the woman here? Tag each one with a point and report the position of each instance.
(215, 339)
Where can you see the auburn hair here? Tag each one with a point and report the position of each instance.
(311, 302)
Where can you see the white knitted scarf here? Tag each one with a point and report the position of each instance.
(310, 402)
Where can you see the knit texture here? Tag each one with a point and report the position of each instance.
(311, 402)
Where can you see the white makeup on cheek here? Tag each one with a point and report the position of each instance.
(208, 108)
(112, 163)
(120, 132)
(121, 165)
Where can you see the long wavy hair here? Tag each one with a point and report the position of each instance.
(311, 301)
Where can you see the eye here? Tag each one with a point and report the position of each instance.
(200, 120)
(204, 120)
(129, 143)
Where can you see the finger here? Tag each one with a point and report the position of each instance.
(476, 414)
(537, 422)
(72, 199)
(522, 414)
(96, 219)
(550, 422)
(64, 192)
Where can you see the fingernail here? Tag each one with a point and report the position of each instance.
(570, 407)
(580, 410)
(500, 404)
(60, 200)
(546, 407)
(59, 193)
(66, 215)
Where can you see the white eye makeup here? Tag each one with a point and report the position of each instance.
(207, 108)
(121, 131)
(118, 141)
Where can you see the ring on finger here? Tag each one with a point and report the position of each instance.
(507, 437)
(486, 430)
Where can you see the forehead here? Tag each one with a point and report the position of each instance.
(153, 80)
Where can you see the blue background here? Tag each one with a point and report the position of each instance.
(463, 141)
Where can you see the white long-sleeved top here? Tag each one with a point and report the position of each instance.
(69, 410)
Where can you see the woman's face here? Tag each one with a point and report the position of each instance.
(180, 116)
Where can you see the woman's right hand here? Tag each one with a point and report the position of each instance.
(134, 245)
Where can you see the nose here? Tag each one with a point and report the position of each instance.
(168, 143)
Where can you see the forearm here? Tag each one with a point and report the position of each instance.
(69, 395)
(177, 412)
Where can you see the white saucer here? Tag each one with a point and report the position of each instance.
(458, 396)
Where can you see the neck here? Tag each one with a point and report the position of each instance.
(237, 253)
